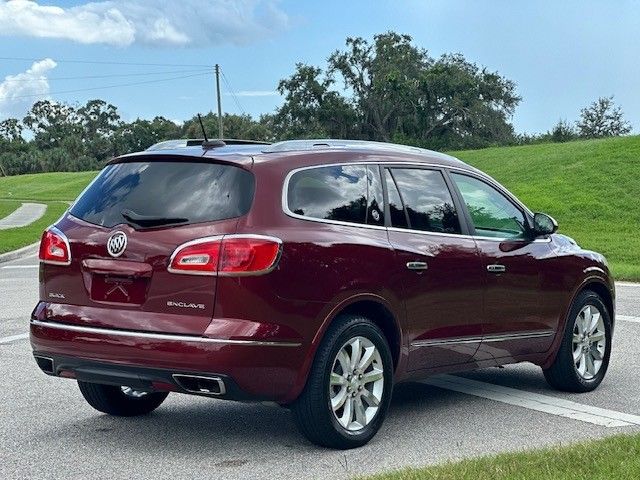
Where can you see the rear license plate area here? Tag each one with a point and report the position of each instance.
(118, 289)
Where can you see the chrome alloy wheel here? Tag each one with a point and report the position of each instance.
(130, 392)
(356, 383)
(589, 342)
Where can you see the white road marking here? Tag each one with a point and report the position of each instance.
(628, 318)
(20, 266)
(13, 338)
(627, 284)
(535, 401)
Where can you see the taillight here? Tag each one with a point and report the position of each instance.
(54, 247)
(228, 255)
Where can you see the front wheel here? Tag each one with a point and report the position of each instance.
(349, 387)
(583, 358)
(120, 401)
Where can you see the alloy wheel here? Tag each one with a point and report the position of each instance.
(589, 342)
(356, 383)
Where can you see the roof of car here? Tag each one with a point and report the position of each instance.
(296, 150)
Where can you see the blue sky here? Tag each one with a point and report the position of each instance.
(562, 55)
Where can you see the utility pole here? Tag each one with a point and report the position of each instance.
(219, 101)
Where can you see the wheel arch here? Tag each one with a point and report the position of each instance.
(382, 317)
(375, 308)
(595, 284)
(603, 292)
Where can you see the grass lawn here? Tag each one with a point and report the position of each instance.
(45, 187)
(591, 187)
(15, 238)
(7, 206)
(614, 457)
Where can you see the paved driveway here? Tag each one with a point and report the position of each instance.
(47, 430)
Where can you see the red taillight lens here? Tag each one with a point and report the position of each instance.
(54, 247)
(248, 255)
(229, 255)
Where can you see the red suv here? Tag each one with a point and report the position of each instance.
(316, 274)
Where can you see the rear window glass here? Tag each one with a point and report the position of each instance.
(181, 192)
(351, 193)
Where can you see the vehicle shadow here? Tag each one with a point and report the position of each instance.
(186, 424)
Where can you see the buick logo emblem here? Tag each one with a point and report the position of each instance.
(117, 244)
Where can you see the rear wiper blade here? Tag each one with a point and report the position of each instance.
(149, 221)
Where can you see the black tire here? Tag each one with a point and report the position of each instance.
(112, 400)
(312, 410)
(563, 374)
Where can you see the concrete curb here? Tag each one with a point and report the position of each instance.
(20, 253)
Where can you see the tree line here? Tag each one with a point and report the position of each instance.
(384, 89)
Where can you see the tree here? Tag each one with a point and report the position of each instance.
(562, 131)
(602, 119)
(141, 134)
(99, 121)
(311, 108)
(51, 122)
(383, 78)
(463, 105)
(11, 130)
(398, 92)
(234, 126)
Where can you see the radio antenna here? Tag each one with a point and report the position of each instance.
(204, 132)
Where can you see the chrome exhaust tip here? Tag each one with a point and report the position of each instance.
(45, 364)
(200, 384)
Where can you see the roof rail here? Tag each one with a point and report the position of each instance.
(194, 142)
(324, 143)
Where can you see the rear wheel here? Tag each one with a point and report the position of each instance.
(349, 387)
(583, 357)
(120, 401)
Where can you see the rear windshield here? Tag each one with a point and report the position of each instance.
(178, 192)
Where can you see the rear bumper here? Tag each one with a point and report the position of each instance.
(260, 370)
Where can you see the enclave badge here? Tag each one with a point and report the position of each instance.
(117, 244)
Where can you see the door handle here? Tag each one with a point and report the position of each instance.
(496, 268)
(417, 265)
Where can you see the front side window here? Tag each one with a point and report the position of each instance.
(349, 193)
(427, 200)
(492, 214)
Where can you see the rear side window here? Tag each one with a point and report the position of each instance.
(349, 193)
(427, 200)
(182, 192)
(396, 208)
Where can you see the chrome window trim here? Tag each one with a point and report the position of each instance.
(484, 339)
(472, 173)
(159, 336)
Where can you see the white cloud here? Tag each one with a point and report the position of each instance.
(153, 22)
(19, 92)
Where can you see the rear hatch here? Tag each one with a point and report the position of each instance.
(144, 209)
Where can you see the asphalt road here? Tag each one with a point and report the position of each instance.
(48, 431)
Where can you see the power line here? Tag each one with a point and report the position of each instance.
(106, 86)
(97, 62)
(85, 77)
(233, 93)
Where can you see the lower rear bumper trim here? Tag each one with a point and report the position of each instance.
(160, 336)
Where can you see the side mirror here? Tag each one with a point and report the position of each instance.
(543, 224)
